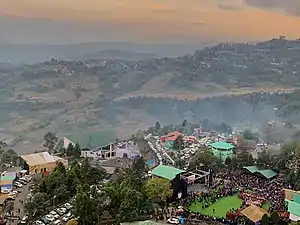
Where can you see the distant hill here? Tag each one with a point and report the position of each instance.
(118, 55)
(22, 53)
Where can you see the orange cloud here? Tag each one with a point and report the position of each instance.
(150, 19)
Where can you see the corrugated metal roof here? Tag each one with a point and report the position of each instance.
(293, 207)
(268, 173)
(167, 172)
(251, 169)
(38, 158)
(254, 213)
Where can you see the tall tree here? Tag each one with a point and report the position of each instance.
(178, 143)
(265, 220)
(70, 149)
(50, 141)
(85, 206)
(77, 151)
(157, 126)
(158, 190)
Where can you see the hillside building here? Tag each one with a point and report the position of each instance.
(98, 145)
(222, 149)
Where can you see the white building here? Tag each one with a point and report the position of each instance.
(94, 145)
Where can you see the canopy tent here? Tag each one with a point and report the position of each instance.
(251, 169)
(265, 173)
(293, 207)
(254, 213)
(167, 172)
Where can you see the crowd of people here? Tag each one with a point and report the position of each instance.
(250, 188)
(271, 190)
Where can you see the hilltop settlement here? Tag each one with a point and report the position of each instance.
(177, 177)
(207, 138)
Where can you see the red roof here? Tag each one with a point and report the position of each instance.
(172, 136)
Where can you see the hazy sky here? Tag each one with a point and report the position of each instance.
(61, 21)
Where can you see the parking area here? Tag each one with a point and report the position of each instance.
(14, 212)
(59, 215)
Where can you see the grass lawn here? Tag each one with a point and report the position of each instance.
(222, 206)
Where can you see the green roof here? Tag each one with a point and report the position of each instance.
(167, 172)
(297, 199)
(267, 173)
(222, 145)
(93, 140)
(293, 207)
(251, 169)
(7, 177)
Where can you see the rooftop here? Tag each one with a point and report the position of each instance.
(266, 173)
(93, 140)
(254, 213)
(38, 158)
(293, 207)
(167, 172)
(172, 136)
(222, 145)
(251, 169)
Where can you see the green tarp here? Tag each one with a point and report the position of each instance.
(293, 207)
(167, 172)
(251, 169)
(266, 173)
(297, 199)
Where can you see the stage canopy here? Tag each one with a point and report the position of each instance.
(254, 213)
(265, 173)
(167, 172)
(251, 169)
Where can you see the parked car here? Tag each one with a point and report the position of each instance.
(24, 220)
(44, 220)
(22, 182)
(19, 185)
(57, 222)
(38, 222)
(49, 217)
(61, 211)
(67, 217)
(68, 205)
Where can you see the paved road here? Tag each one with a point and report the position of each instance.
(19, 204)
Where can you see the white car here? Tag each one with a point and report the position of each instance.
(68, 205)
(19, 185)
(49, 217)
(173, 220)
(57, 222)
(38, 222)
(53, 213)
(24, 220)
